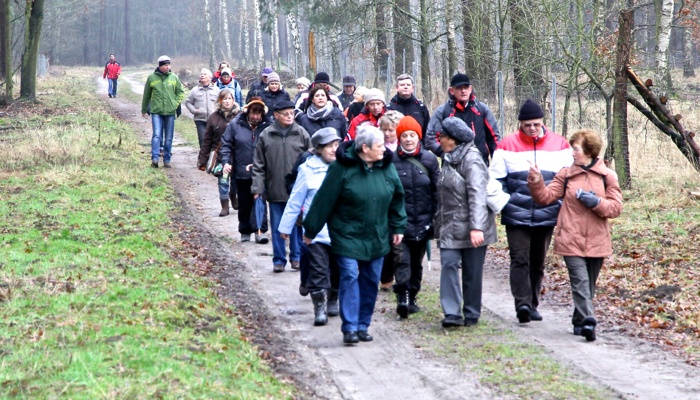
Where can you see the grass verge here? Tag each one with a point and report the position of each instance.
(93, 302)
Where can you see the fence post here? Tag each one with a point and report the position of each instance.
(554, 103)
(501, 111)
(388, 76)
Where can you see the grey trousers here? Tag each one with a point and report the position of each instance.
(583, 274)
(452, 290)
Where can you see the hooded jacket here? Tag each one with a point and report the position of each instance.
(420, 192)
(309, 179)
(511, 165)
(163, 92)
(275, 155)
(478, 117)
(112, 70)
(362, 206)
(272, 98)
(462, 205)
(235, 87)
(238, 144)
(202, 101)
(582, 231)
(216, 126)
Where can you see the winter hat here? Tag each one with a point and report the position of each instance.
(374, 94)
(409, 123)
(283, 105)
(303, 81)
(273, 77)
(324, 136)
(162, 60)
(227, 71)
(266, 71)
(460, 79)
(530, 110)
(322, 77)
(349, 81)
(252, 102)
(457, 129)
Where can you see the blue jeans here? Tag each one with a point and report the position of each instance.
(163, 126)
(201, 130)
(224, 186)
(358, 289)
(278, 245)
(112, 86)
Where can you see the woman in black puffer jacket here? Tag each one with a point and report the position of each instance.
(321, 113)
(418, 170)
(226, 110)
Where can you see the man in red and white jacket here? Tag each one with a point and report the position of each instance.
(112, 72)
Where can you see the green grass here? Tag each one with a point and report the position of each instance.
(93, 302)
(500, 359)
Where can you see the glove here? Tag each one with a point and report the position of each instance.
(589, 199)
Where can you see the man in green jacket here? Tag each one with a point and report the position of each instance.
(162, 96)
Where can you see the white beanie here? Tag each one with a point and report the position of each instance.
(374, 94)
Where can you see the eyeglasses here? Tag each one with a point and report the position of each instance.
(533, 125)
(577, 149)
(285, 113)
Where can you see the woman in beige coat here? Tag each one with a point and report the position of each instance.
(591, 195)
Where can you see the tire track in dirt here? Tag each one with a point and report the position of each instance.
(391, 367)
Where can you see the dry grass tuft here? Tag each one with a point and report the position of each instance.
(50, 145)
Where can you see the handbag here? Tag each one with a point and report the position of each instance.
(213, 159)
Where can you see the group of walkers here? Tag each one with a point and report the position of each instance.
(355, 190)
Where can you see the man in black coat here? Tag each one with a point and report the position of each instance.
(406, 102)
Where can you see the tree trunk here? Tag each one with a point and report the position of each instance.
(245, 29)
(294, 28)
(4, 23)
(478, 46)
(35, 17)
(527, 69)
(451, 42)
(688, 70)
(86, 35)
(101, 45)
(664, 18)
(424, 53)
(403, 37)
(210, 36)
(127, 33)
(381, 59)
(7, 44)
(620, 133)
(258, 34)
(224, 22)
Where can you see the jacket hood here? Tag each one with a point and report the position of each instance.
(347, 156)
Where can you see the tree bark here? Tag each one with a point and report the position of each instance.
(127, 33)
(224, 22)
(258, 35)
(101, 45)
(619, 123)
(478, 46)
(381, 59)
(688, 70)
(451, 41)
(4, 24)
(35, 17)
(526, 61)
(664, 17)
(403, 37)
(294, 29)
(245, 29)
(424, 53)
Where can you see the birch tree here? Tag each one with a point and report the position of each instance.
(224, 22)
(210, 35)
(258, 34)
(245, 29)
(664, 17)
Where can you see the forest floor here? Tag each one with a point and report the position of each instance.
(413, 358)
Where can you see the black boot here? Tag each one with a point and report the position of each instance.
(412, 305)
(333, 309)
(224, 208)
(234, 200)
(401, 301)
(588, 329)
(320, 312)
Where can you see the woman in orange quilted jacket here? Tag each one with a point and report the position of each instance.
(591, 195)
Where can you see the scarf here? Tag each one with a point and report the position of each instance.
(391, 146)
(316, 114)
(283, 131)
(405, 153)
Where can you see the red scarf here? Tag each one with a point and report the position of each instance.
(403, 153)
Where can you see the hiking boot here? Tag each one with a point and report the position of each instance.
(577, 330)
(166, 164)
(401, 301)
(470, 321)
(320, 301)
(350, 337)
(412, 305)
(333, 308)
(154, 163)
(278, 268)
(523, 314)
(364, 336)
(234, 201)
(245, 237)
(224, 210)
(451, 321)
(261, 238)
(295, 264)
(303, 290)
(535, 316)
(588, 329)
(110, 95)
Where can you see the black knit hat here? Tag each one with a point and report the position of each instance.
(457, 129)
(322, 77)
(530, 110)
(460, 80)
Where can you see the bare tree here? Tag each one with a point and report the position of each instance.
(224, 22)
(664, 17)
(34, 14)
(210, 35)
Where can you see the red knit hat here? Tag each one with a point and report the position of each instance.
(408, 123)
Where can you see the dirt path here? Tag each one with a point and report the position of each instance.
(391, 367)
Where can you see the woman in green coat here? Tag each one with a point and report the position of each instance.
(362, 201)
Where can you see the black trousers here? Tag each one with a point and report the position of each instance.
(389, 265)
(323, 268)
(247, 223)
(409, 265)
(528, 250)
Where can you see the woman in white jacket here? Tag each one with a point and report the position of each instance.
(311, 174)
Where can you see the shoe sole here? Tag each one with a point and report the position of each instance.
(262, 241)
(320, 323)
(523, 316)
(277, 271)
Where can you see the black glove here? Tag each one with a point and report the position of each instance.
(589, 199)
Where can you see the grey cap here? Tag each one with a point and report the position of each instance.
(324, 136)
(457, 129)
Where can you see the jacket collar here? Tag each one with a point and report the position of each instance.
(347, 156)
(530, 140)
(455, 156)
(399, 100)
(599, 168)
